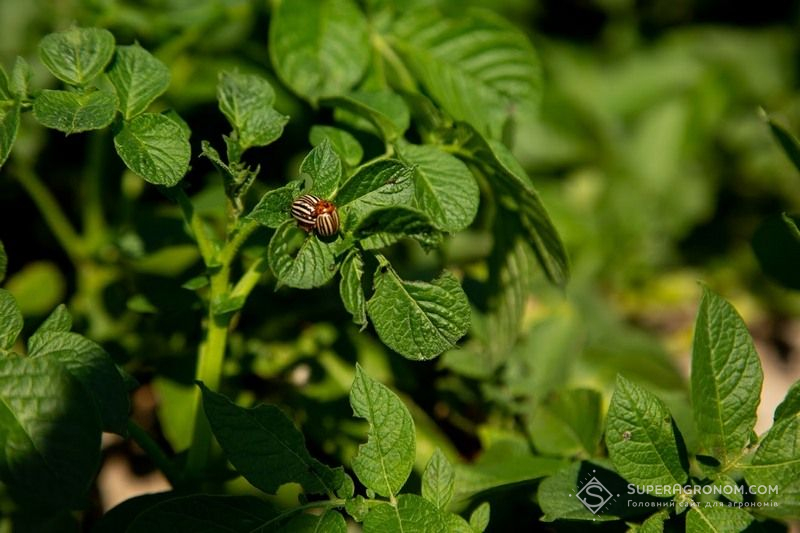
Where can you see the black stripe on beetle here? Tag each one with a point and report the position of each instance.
(315, 214)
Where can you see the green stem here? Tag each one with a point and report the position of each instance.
(209, 371)
(94, 223)
(52, 213)
(155, 452)
(386, 51)
(250, 278)
(212, 351)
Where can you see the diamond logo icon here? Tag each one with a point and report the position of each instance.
(594, 495)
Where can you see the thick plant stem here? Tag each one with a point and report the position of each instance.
(94, 223)
(209, 371)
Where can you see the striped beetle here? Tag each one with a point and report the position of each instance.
(315, 214)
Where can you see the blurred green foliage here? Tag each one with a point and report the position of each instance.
(648, 150)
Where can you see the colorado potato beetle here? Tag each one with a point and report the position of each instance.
(315, 214)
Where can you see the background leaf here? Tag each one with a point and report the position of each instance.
(319, 47)
(726, 379)
(72, 112)
(266, 448)
(77, 55)
(384, 462)
(509, 180)
(138, 77)
(568, 422)
(641, 439)
(348, 148)
(154, 147)
(299, 259)
(477, 67)
(382, 112)
(418, 320)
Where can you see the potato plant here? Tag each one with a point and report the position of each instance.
(407, 228)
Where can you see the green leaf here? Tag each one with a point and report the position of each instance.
(38, 287)
(274, 207)
(790, 406)
(726, 379)
(175, 400)
(138, 77)
(246, 100)
(717, 519)
(444, 186)
(327, 522)
(300, 259)
(384, 462)
(93, 368)
(479, 68)
(380, 184)
(383, 111)
(206, 513)
(20, 81)
(10, 320)
(642, 441)
(3, 262)
(508, 179)
(9, 125)
(777, 463)
(567, 423)
(345, 144)
(389, 224)
(59, 321)
(49, 431)
(319, 47)
(77, 55)
(479, 519)
(73, 112)
(654, 522)
(418, 320)
(5, 90)
(325, 168)
(265, 447)
(350, 289)
(357, 508)
(154, 147)
(438, 480)
(505, 463)
(787, 140)
(411, 514)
